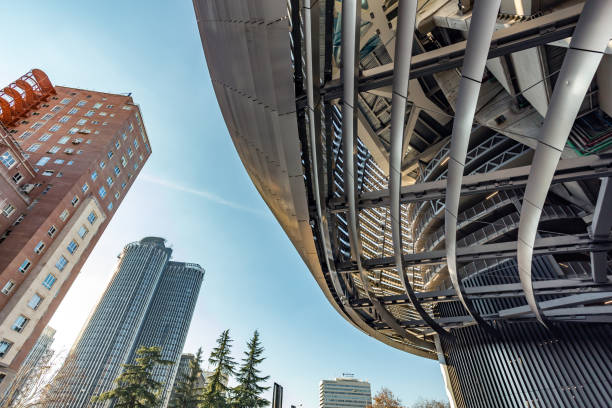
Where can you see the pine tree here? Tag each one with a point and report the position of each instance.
(188, 393)
(215, 395)
(135, 386)
(247, 393)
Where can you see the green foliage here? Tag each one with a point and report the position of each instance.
(247, 393)
(224, 365)
(188, 393)
(135, 386)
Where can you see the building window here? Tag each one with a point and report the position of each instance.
(117, 144)
(36, 126)
(123, 161)
(85, 187)
(123, 185)
(5, 346)
(52, 231)
(91, 217)
(131, 128)
(35, 301)
(64, 215)
(49, 281)
(60, 174)
(55, 128)
(26, 135)
(110, 206)
(94, 175)
(102, 164)
(81, 121)
(72, 247)
(18, 220)
(70, 163)
(34, 147)
(65, 101)
(73, 111)
(83, 231)
(39, 247)
(81, 103)
(74, 201)
(89, 113)
(62, 262)
(109, 181)
(54, 149)
(57, 108)
(8, 287)
(48, 173)
(97, 105)
(63, 139)
(73, 130)
(45, 137)
(102, 192)
(58, 161)
(117, 195)
(7, 159)
(17, 178)
(20, 323)
(110, 154)
(125, 107)
(43, 161)
(25, 265)
(69, 150)
(136, 143)
(7, 210)
(47, 116)
(130, 153)
(64, 119)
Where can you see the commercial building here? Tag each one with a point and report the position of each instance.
(149, 302)
(344, 393)
(30, 378)
(443, 169)
(68, 158)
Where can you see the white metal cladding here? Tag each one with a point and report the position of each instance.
(326, 177)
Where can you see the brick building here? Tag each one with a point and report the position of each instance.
(67, 159)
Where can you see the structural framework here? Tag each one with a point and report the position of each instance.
(443, 169)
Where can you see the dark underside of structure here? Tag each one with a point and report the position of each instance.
(449, 191)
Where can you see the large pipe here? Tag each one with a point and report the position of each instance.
(350, 70)
(476, 51)
(589, 41)
(403, 52)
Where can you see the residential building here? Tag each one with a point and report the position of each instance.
(344, 392)
(443, 169)
(68, 158)
(149, 302)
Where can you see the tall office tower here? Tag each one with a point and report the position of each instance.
(344, 393)
(183, 370)
(444, 171)
(32, 371)
(149, 302)
(68, 157)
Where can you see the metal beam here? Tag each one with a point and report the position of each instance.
(539, 31)
(578, 243)
(573, 300)
(581, 168)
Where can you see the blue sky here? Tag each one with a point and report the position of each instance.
(195, 192)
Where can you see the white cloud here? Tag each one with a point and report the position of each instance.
(202, 193)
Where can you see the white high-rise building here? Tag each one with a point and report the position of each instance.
(344, 392)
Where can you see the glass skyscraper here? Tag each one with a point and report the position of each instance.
(149, 302)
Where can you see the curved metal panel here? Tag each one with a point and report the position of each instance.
(588, 44)
(479, 37)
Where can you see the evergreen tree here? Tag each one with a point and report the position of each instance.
(187, 392)
(135, 386)
(224, 365)
(247, 393)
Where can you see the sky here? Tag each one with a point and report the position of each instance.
(194, 192)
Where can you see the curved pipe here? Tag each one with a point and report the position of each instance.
(476, 52)
(350, 70)
(589, 41)
(403, 52)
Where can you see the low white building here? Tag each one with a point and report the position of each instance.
(344, 392)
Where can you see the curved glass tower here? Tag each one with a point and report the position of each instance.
(149, 302)
(443, 169)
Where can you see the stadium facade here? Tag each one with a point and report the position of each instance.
(443, 169)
